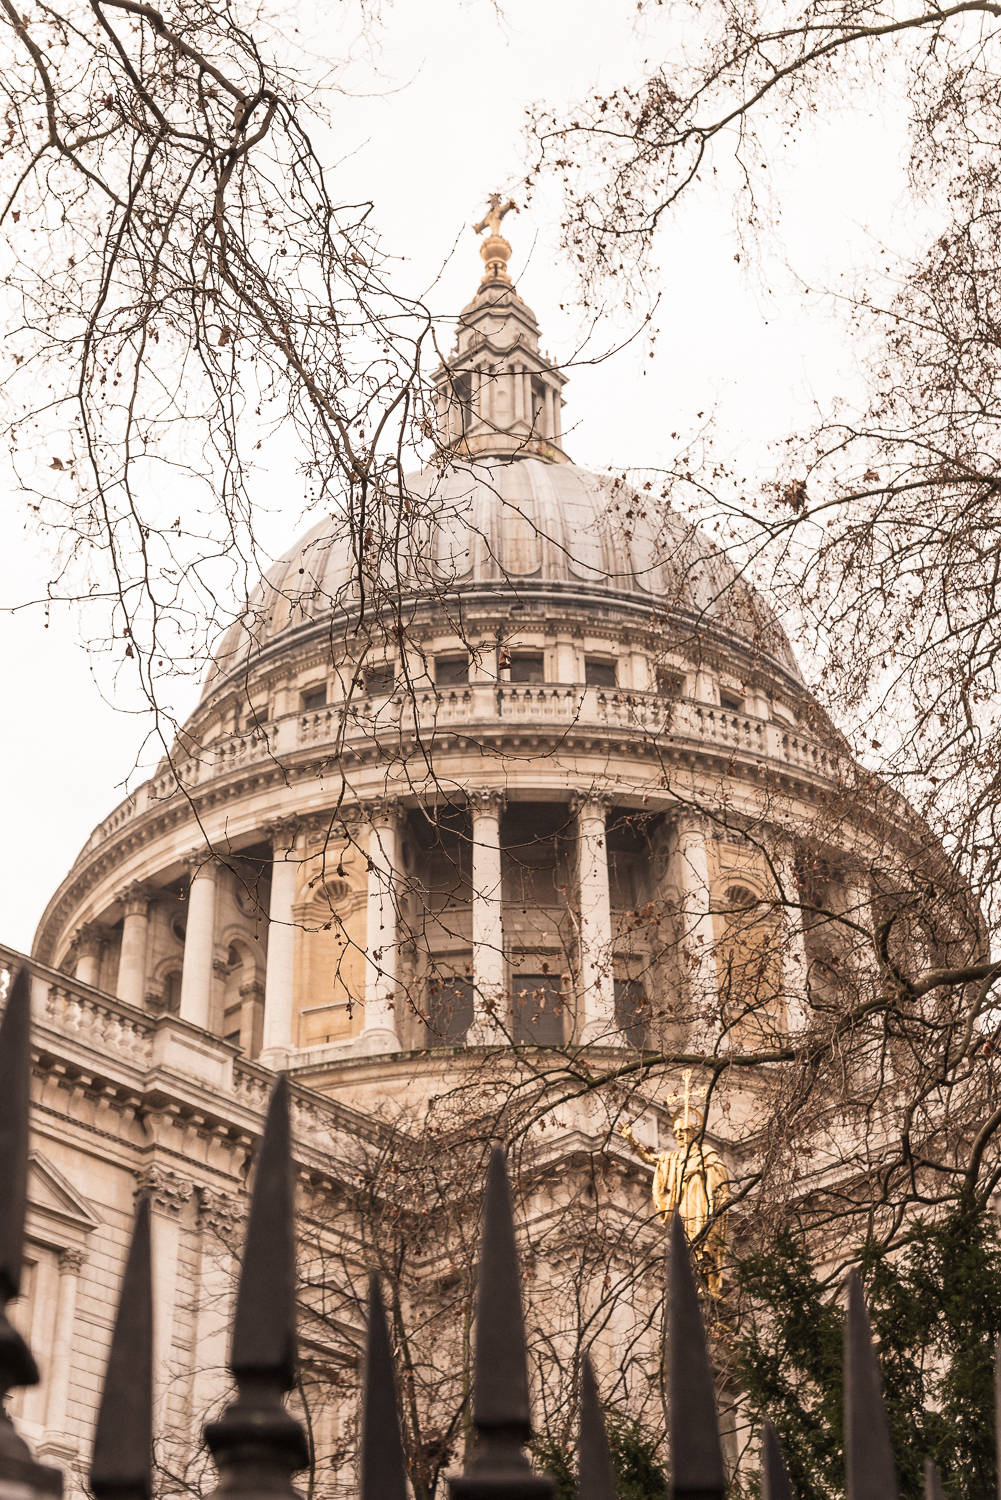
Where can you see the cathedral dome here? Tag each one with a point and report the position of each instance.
(523, 525)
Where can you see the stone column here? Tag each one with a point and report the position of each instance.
(58, 1371)
(489, 1016)
(168, 1193)
(221, 1226)
(279, 979)
(131, 985)
(199, 942)
(381, 949)
(794, 964)
(87, 941)
(595, 979)
(697, 946)
(858, 909)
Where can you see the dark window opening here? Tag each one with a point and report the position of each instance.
(463, 387)
(380, 680)
(538, 404)
(450, 1011)
(314, 698)
(539, 1008)
(732, 702)
(670, 684)
(528, 666)
(172, 992)
(632, 1011)
(451, 671)
(232, 1036)
(599, 671)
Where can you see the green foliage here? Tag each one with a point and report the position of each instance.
(935, 1309)
(638, 1473)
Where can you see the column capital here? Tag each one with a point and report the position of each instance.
(200, 862)
(219, 1212)
(597, 803)
(486, 800)
(167, 1192)
(283, 833)
(87, 939)
(252, 990)
(71, 1262)
(384, 810)
(135, 899)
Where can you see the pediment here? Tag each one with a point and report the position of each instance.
(51, 1197)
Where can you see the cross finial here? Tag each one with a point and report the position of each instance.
(495, 249)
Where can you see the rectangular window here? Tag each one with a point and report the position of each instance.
(314, 698)
(599, 671)
(732, 702)
(451, 671)
(670, 684)
(538, 1009)
(380, 680)
(632, 1011)
(463, 388)
(528, 666)
(450, 1011)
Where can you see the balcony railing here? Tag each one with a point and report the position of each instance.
(480, 711)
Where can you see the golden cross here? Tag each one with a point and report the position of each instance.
(686, 1097)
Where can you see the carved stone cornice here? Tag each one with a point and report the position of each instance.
(167, 1191)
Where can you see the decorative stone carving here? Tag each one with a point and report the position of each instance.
(486, 800)
(71, 1262)
(135, 899)
(167, 1192)
(219, 1213)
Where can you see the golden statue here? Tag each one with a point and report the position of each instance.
(492, 218)
(692, 1179)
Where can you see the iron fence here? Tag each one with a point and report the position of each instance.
(258, 1445)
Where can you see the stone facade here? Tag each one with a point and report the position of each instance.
(398, 863)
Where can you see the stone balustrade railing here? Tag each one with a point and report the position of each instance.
(486, 708)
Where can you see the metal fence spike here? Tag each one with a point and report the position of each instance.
(595, 1475)
(256, 1444)
(997, 1410)
(500, 1378)
(498, 1468)
(774, 1476)
(264, 1340)
(383, 1471)
(933, 1484)
(870, 1472)
(697, 1471)
(122, 1461)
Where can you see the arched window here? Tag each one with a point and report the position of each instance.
(749, 966)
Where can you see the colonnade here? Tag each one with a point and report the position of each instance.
(595, 980)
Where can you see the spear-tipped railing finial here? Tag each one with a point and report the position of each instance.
(595, 1475)
(870, 1473)
(933, 1484)
(383, 1472)
(122, 1463)
(774, 1478)
(17, 1365)
(498, 1467)
(697, 1471)
(256, 1444)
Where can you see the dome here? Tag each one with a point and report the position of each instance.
(518, 524)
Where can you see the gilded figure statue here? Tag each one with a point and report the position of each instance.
(694, 1180)
(491, 220)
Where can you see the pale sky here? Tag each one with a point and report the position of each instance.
(435, 123)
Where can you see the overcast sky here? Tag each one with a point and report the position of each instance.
(432, 122)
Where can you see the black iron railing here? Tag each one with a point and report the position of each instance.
(258, 1445)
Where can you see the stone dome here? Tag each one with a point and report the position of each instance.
(519, 524)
